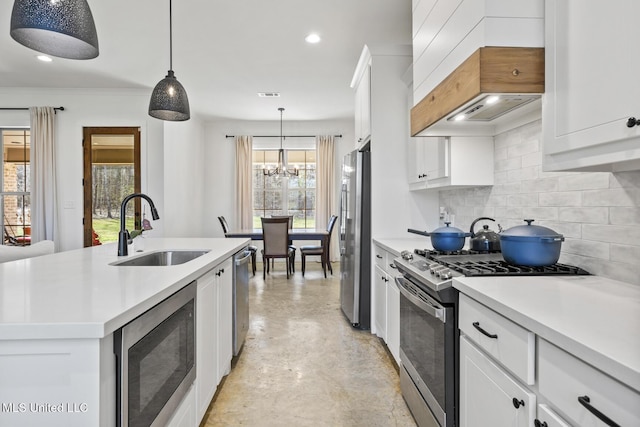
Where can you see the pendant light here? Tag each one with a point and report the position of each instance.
(62, 28)
(281, 169)
(169, 99)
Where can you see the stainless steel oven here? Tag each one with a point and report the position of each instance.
(428, 337)
(155, 360)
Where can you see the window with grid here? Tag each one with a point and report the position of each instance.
(278, 195)
(15, 187)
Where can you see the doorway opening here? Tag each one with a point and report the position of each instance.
(111, 172)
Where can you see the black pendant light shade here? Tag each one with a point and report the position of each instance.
(62, 28)
(169, 100)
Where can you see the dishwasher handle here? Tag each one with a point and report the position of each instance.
(245, 258)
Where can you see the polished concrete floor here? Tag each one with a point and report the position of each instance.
(304, 365)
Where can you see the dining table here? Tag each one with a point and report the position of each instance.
(294, 234)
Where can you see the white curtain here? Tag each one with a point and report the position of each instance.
(44, 221)
(244, 178)
(325, 186)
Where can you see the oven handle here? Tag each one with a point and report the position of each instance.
(431, 307)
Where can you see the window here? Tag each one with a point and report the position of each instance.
(15, 200)
(277, 195)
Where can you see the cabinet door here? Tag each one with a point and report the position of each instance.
(185, 413)
(206, 342)
(224, 277)
(589, 79)
(488, 395)
(363, 107)
(548, 418)
(436, 157)
(380, 302)
(393, 319)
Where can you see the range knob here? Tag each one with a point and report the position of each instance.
(446, 274)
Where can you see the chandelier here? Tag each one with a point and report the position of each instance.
(282, 168)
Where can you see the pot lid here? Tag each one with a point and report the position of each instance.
(529, 230)
(449, 231)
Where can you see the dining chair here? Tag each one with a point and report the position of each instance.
(321, 250)
(275, 237)
(291, 245)
(253, 249)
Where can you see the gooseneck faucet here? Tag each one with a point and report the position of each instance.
(123, 235)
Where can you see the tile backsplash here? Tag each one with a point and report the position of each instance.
(597, 212)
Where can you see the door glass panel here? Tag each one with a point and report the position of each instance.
(15, 200)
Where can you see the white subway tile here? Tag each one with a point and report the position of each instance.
(530, 172)
(526, 147)
(522, 200)
(595, 215)
(499, 154)
(629, 179)
(560, 198)
(625, 253)
(541, 213)
(567, 229)
(514, 175)
(533, 159)
(587, 248)
(583, 181)
(625, 216)
(497, 200)
(508, 164)
(540, 185)
(611, 197)
(626, 235)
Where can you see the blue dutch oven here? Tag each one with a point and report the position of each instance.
(448, 238)
(531, 245)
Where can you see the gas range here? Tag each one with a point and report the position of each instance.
(434, 270)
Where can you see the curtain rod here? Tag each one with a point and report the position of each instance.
(55, 110)
(283, 136)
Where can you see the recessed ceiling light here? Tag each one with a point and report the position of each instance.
(459, 117)
(312, 38)
(44, 58)
(493, 99)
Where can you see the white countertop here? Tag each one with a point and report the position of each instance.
(77, 294)
(594, 318)
(397, 245)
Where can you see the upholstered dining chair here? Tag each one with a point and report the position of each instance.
(275, 237)
(321, 250)
(291, 245)
(253, 249)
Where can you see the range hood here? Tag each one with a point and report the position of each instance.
(494, 83)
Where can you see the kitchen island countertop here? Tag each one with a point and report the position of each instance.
(78, 294)
(594, 318)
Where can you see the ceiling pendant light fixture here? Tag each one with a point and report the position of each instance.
(62, 28)
(281, 169)
(169, 99)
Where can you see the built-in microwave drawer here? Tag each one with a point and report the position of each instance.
(582, 392)
(507, 342)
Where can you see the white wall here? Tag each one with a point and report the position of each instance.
(90, 107)
(598, 213)
(219, 174)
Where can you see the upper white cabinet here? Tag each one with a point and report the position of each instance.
(445, 162)
(363, 106)
(591, 86)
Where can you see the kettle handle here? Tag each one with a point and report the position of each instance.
(476, 220)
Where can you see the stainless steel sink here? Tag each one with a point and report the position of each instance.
(161, 258)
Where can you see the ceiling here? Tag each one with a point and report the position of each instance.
(224, 53)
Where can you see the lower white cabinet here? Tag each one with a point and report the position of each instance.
(214, 339)
(393, 319)
(185, 414)
(548, 418)
(490, 396)
(380, 300)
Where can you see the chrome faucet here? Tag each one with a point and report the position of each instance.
(123, 235)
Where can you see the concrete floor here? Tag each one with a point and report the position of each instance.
(304, 365)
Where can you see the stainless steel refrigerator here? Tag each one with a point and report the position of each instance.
(355, 238)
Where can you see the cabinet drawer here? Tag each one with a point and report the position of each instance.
(563, 378)
(508, 343)
(380, 256)
(547, 418)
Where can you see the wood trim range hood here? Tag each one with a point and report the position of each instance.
(489, 70)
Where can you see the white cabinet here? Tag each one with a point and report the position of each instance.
(184, 415)
(224, 277)
(380, 300)
(206, 342)
(214, 346)
(548, 418)
(590, 86)
(449, 162)
(393, 319)
(363, 106)
(488, 395)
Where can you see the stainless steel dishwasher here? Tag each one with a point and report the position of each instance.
(240, 298)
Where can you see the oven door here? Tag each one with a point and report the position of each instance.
(426, 338)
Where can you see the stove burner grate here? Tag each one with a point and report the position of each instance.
(502, 268)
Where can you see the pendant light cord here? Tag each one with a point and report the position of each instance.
(281, 110)
(170, 39)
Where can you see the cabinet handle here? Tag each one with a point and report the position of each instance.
(393, 266)
(477, 326)
(378, 256)
(538, 423)
(517, 403)
(424, 175)
(585, 401)
(222, 270)
(633, 122)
